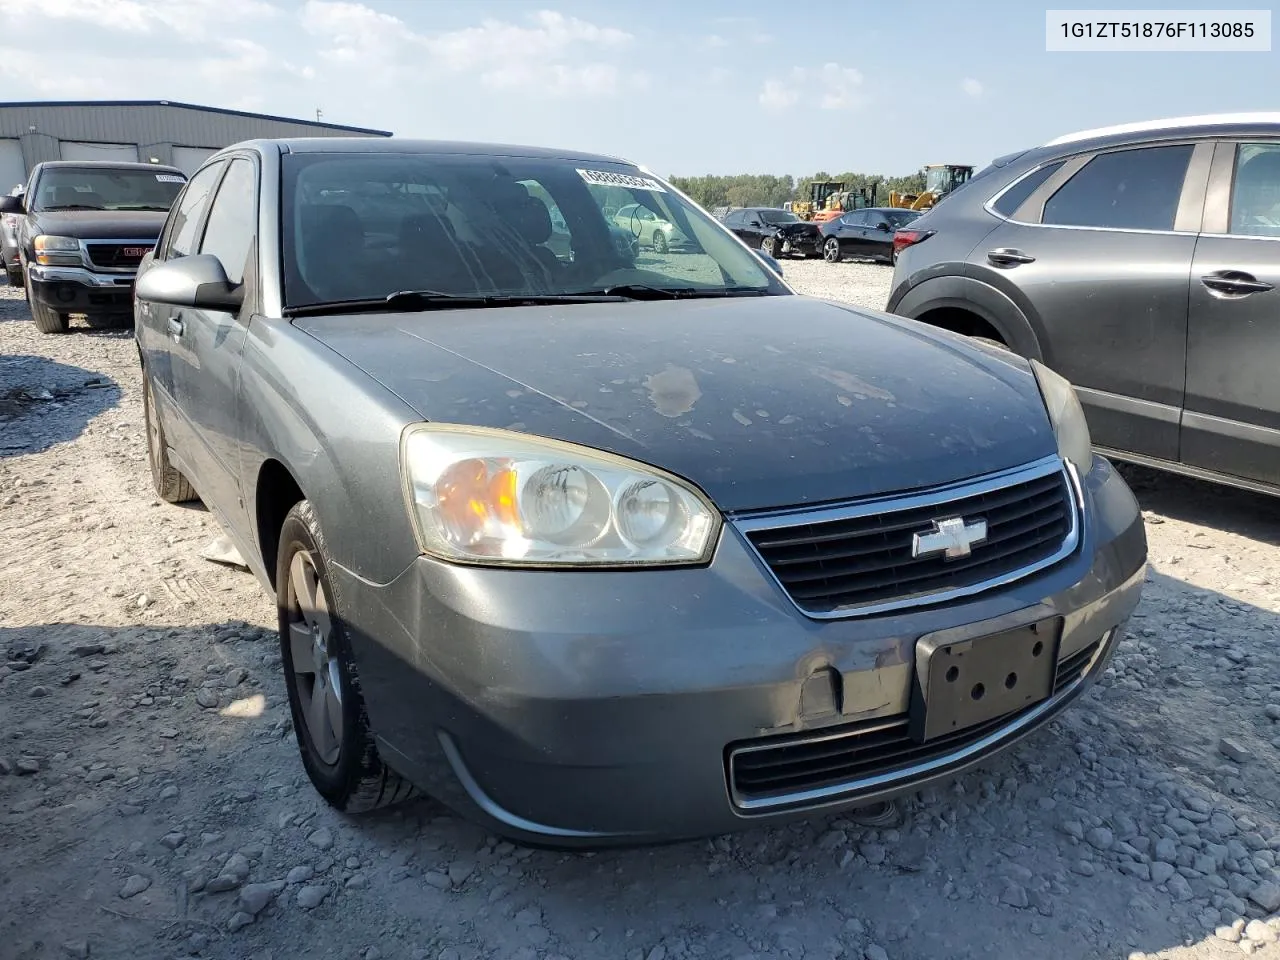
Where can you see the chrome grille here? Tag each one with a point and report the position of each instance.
(858, 559)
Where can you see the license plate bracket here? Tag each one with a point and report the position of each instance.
(964, 682)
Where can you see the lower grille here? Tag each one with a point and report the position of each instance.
(860, 559)
(768, 772)
(118, 256)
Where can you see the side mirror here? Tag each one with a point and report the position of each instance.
(197, 281)
(769, 262)
(11, 204)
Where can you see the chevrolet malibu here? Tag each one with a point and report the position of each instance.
(604, 546)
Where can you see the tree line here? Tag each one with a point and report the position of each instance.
(767, 190)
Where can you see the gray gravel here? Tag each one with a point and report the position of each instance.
(1124, 829)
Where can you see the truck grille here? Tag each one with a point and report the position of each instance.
(118, 255)
(854, 560)
(786, 770)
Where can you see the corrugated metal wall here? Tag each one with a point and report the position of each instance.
(154, 129)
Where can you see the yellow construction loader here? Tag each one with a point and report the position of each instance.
(939, 180)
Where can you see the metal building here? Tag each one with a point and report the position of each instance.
(163, 131)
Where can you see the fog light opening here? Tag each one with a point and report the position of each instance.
(66, 293)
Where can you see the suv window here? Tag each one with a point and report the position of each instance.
(1016, 195)
(180, 234)
(229, 232)
(1255, 195)
(1128, 189)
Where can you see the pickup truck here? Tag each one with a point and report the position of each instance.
(83, 227)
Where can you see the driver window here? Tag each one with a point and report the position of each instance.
(180, 236)
(1255, 195)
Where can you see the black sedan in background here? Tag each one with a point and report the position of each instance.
(864, 233)
(779, 233)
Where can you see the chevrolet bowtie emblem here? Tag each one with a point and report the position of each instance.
(952, 536)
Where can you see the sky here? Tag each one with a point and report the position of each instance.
(685, 87)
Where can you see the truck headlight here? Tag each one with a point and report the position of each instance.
(480, 495)
(57, 251)
(1067, 417)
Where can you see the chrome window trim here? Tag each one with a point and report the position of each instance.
(927, 498)
(885, 781)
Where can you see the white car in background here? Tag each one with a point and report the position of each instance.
(648, 228)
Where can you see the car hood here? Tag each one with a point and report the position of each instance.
(762, 402)
(102, 224)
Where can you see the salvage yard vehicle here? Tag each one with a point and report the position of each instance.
(83, 227)
(9, 258)
(864, 233)
(778, 233)
(613, 550)
(1173, 358)
(649, 229)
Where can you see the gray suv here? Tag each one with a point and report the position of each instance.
(1140, 263)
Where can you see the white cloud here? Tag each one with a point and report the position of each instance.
(548, 54)
(971, 87)
(831, 87)
(716, 42)
(191, 19)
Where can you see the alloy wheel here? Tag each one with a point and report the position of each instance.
(315, 661)
(831, 250)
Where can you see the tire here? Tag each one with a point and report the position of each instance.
(46, 320)
(831, 250)
(337, 747)
(170, 485)
(660, 244)
(14, 275)
(769, 247)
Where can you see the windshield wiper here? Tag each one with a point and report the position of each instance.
(643, 291)
(70, 206)
(412, 301)
(142, 206)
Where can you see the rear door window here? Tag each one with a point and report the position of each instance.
(1125, 190)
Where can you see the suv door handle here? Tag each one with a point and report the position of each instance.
(175, 326)
(1008, 257)
(1234, 283)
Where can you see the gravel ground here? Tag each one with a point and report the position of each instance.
(152, 804)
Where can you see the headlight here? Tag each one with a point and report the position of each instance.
(479, 495)
(55, 251)
(1067, 417)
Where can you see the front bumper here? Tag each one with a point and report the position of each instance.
(806, 245)
(78, 290)
(575, 708)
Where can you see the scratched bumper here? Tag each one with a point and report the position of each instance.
(597, 708)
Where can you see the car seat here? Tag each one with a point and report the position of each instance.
(331, 252)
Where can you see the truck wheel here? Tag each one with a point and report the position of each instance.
(15, 275)
(329, 716)
(46, 320)
(171, 486)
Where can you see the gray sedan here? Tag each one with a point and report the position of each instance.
(599, 552)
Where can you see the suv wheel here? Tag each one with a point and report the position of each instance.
(329, 716)
(46, 320)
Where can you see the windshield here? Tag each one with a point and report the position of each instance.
(900, 218)
(778, 216)
(68, 188)
(945, 179)
(365, 226)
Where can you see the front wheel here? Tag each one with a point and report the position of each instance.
(170, 485)
(660, 244)
(769, 247)
(46, 320)
(831, 250)
(329, 716)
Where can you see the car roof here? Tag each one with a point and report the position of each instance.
(1205, 124)
(107, 165)
(305, 145)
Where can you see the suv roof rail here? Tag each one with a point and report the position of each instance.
(1171, 123)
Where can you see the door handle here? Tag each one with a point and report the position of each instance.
(1234, 283)
(176, 326)
(1008, 257)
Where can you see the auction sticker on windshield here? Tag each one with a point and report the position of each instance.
(169, 178)
(602, 178)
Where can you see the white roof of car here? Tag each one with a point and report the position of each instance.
(1208, 119)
